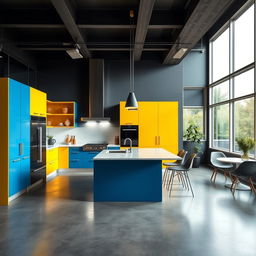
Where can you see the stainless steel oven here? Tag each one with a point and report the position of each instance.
(129, 131)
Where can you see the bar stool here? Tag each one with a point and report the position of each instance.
(182, 153)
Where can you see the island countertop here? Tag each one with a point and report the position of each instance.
(138, 154)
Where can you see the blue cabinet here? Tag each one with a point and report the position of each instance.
(81, 159)
(19, 137)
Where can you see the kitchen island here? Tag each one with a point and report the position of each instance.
(134, 176)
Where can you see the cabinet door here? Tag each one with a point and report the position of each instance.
(128, 117)
(63, 158)
(148, 124)
(14, 119)
(168, 126)
(25, 119)
(37, 102)
(25, 172)
(14, 176)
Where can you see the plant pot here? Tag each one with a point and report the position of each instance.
(196, 162)
(51, 141)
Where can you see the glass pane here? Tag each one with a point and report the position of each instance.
(220, 92)
(221, 126)
(244, 39)
(244, 120)
(220, 58)
(195, 115)
(244, 83)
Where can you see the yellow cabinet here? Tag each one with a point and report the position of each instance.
(148, 124)
(52, 160)
(158, 125)
(37, 102)
(63, 158)
(168, 126)
(128, 117)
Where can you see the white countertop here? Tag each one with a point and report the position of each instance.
(71, 146)
(138, 154)
(63, 146)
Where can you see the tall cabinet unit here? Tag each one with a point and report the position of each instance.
(15, 134)
(158, 124)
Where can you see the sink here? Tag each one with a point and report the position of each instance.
(117, 151)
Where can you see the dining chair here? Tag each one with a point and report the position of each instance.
(183, 171)
(182, 153)
(245, 173)
(220, 166)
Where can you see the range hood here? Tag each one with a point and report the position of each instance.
(96, 92)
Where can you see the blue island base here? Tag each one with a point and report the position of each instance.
(127, 181)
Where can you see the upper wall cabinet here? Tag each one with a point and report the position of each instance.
(37, 102)
(128, 117)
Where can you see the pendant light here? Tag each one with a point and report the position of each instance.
(131, 102)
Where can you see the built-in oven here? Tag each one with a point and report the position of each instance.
(129, 131)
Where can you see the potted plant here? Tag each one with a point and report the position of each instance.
(51, 140)
(245, 144)
(194, 136)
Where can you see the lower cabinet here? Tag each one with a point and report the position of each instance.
(63, 158)
(81, 159)
(52, 160)
(19, 174)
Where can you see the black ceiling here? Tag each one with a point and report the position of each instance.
(101, 27)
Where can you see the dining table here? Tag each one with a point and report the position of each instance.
(236, 161)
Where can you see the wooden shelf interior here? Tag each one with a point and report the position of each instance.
(56, 115)
(56, 107)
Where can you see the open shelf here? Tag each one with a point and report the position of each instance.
(59, 112)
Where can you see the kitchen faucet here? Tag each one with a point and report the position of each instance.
(130, 149)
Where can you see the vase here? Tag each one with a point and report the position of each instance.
(51, 141)
(67, 139)
(245, 156)
(67, 122)
(64, 110)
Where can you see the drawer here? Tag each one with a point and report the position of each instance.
(52, 154)
(51, 166)
(82, 154)
(80, 163)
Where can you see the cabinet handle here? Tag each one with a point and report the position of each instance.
(36, 113)
(75, 153)
(20, 149)
(155, 140)
(25, 157)
(74, 160)
(159, 140)
(16, 160)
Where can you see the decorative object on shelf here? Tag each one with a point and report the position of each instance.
(49, 123)
(67, 139)
(67, 122)
(70, 140)
(194, 136)
(131, 102)
(51, 140)
(74, 140)
(245, 144)
(116, 140)
(49, 109)
(61, 124)
(64, 110)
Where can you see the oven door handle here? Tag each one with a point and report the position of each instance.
(130, 130)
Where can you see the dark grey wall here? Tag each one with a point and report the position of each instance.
(65, 80)
(153, 82)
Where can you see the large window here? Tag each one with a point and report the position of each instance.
(232, 81)
(193, 115)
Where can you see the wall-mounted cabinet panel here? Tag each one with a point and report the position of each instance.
(37, 102)
(128, 117)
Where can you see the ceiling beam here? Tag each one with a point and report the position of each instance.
(144, 15)
(67, 14)
(89, 48)
(88, 26)
(204, 15)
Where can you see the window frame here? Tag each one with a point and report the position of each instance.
(230, 77)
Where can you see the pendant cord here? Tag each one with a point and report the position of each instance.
(132, 88)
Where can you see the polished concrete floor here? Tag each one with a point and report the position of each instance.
(62, 220)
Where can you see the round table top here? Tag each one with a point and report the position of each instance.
(232, 160)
